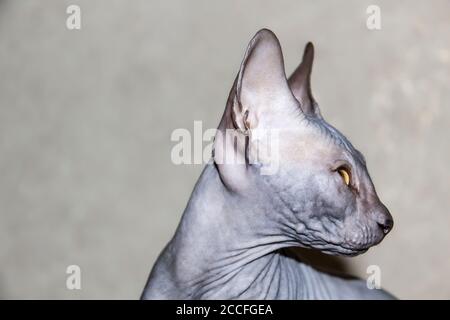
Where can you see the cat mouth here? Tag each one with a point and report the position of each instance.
(338, 248)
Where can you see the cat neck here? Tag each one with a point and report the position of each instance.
(223, 249)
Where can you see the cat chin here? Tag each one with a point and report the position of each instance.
(354, 253)
(343, 251)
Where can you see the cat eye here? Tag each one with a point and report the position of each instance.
(345, 175)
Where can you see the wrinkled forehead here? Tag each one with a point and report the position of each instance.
(317, 140)
(340, 142)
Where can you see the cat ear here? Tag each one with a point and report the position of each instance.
(259, 99)
(261, 89)
(300, 83)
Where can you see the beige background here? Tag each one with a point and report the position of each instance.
(86, 118)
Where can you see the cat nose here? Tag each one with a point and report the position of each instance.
(386, 225)
(384, 220)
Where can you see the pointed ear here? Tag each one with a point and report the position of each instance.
(261, 88)
(260, 98)
(300, 83)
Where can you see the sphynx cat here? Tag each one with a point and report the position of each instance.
(238, 233)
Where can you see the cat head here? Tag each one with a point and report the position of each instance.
(321, 194)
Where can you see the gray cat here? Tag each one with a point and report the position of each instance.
(238, 234)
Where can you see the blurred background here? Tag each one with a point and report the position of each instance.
(86, 116)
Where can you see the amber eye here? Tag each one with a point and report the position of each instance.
(345, 175)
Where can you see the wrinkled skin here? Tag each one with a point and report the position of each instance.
(237, 236)
(329, 215)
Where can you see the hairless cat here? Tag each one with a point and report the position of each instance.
(238, 235)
